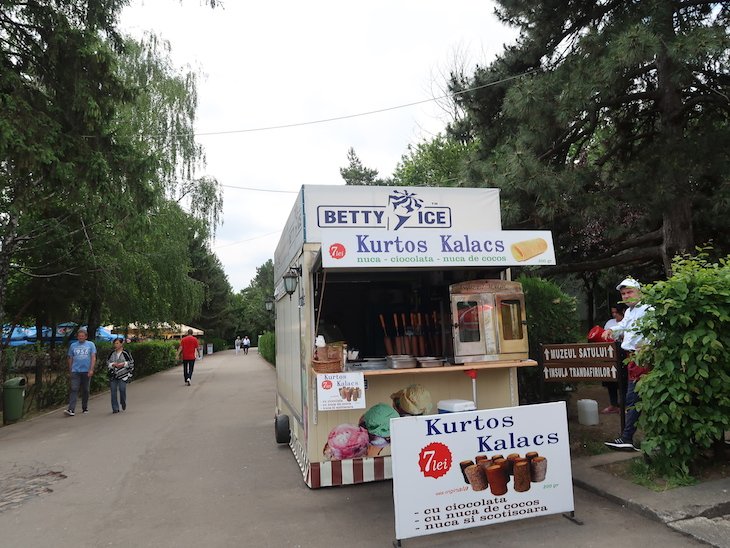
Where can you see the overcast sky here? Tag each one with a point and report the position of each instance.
(269, 64)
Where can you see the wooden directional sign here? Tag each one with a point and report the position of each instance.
(579, 362)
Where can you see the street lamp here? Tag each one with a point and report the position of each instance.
(291, 279)
(269, 304)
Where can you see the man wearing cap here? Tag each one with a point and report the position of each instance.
(81, 363)
(631, 342)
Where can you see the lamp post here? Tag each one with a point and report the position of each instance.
(269, 304)
(291, 280)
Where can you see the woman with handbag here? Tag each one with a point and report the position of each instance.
(119, 366)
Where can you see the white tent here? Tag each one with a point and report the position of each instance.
(164, 330)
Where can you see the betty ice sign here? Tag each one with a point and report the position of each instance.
(403, 227)
(461, 470)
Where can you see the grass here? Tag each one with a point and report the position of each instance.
(643, 475)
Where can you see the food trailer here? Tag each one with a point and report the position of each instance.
(393, 301)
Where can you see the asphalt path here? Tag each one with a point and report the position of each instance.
(198, 466)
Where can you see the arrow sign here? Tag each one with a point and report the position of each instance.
(580, 361)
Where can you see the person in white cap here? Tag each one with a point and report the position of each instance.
(630, 290)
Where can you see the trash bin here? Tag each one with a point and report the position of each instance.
(13, 397)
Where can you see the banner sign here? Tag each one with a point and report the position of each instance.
(436, 248)
(579, 362)
(336, 391)
(460, 470)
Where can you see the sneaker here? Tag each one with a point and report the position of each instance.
(620, 444)
(86, 411)
(124, 407)
(187, 383)
(115, 410)
(69, 413)
(610, 410)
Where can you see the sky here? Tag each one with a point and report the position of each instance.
(265, 64)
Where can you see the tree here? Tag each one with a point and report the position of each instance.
(356, 174)
(438, 162)
(215, 316)
(251, 314)
(59, 156)
(616, 135)
(97, 138)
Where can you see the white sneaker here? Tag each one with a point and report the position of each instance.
(69, 413)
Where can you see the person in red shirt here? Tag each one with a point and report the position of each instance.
(188, 351)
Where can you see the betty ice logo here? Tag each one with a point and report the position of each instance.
(404, 204)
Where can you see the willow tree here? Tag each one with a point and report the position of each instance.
(610, 127)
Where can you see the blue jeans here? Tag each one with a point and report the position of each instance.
(121, 386)
(632, 415)
(79, 381)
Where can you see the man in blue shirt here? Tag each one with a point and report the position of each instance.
(81, 362)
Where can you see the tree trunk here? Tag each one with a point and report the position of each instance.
(678, 233)
(7, 248)
(94, 317)
(677, 216)
(39, 361)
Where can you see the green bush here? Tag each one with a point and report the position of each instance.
(552, 318)
(685, 399)
(267, 347)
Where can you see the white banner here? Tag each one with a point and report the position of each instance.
(436, 248)
(336, 391)
(460, 470)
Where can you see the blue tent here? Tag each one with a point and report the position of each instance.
(103, 334)
(22, 336)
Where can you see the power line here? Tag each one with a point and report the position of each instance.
(260, 189)
(246, 240)
(360, 114)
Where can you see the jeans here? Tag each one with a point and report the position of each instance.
(79, 381)
(188, 369)
(121, 386)
(632, 415)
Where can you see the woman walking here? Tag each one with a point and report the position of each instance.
(119, 366)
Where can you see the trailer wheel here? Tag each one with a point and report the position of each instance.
(281, 428)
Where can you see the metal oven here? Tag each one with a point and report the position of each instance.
(488, 321)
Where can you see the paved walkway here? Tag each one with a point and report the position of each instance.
(198, 466)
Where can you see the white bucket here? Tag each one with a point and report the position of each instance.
(588, 412)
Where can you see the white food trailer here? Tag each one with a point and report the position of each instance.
(393, 301)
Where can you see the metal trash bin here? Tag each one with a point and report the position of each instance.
(13, 398)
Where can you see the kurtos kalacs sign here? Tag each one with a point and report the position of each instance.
(460, 470)
(578, 362)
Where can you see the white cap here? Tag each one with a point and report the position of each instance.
(628, 282)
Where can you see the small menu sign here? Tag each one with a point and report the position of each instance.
(337, 391)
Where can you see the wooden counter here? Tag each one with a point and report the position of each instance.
(447, 368)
